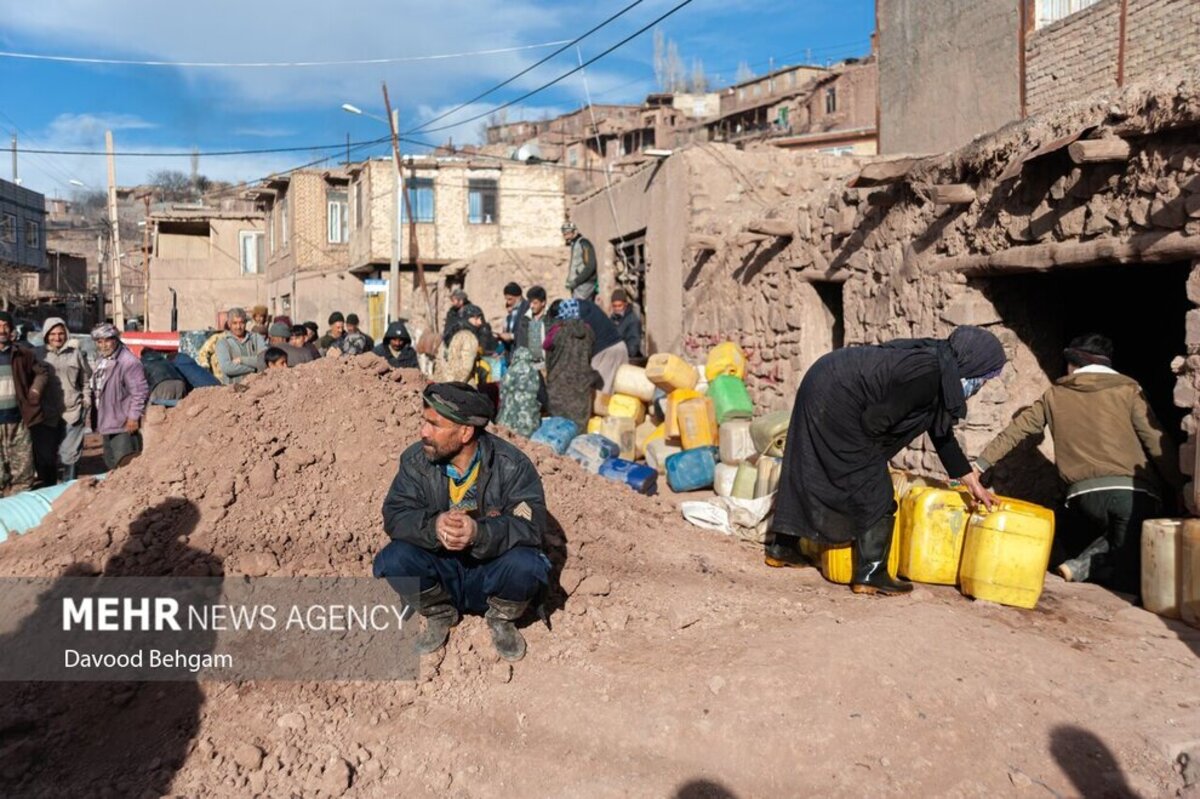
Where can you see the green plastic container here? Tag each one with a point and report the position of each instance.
(730, 398)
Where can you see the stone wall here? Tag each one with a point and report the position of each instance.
(911, 267)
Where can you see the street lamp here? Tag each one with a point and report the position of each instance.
(393, 311)
(78, 183)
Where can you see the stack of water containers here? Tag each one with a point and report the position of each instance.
(693, 424)
(942, 538)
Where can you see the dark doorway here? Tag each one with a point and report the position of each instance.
(831, 297)
(1141, 308)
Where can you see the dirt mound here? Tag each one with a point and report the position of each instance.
(677, 664)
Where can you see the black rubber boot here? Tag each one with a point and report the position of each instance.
(784, 551)
(870, 561)
(68, 473)
(440, 615)
(501, 617)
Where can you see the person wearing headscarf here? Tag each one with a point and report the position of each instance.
(58, 439)
(259, 318)
(397, 348)
(522, 395)
(23, 380)
(855, 410)
(1117, 462)
(119, 393)
(466, 512)
(570, 378)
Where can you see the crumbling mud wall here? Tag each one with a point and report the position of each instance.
(912, 262)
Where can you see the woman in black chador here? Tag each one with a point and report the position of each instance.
(856, 409)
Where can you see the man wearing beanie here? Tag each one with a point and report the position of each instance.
(279, 336)
(466, 512)
(515, 307)
(1117, 462)
(22, 381)
(355, 342)
(336, 332)
(119, 393)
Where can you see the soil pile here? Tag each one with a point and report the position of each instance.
(677, 664)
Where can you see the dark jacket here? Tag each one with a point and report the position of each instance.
(512, 502)
(606, 332)
(29, 374)
(629, 326)
(406, 358)
(855, 410)
(570, 378)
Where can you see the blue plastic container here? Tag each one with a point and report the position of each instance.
(592, 450)
(556, 433)
(692, 469)
(638, 476)
(22, 512)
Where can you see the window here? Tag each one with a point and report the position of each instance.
(482, 199)
(271, 229)
(338, 217)
(251, 247)
(283, 222)
(572, 157)
(32, 233)
(420, 199)
(8, 229)
(1050, 11)
(358, 204)
(831, 100)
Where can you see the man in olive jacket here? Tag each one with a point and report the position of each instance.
(466, 512)
(1110, 450)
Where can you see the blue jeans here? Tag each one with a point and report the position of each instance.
(517, 575)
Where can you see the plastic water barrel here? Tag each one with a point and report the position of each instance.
(1189, 573)
(556, 432)
(736, 443)
(726, 358)
(591, 451)
(632, 380)
(1006, 553)
(770, 433)
(627, 406)
(730, 398)
(622, 431)
(22, 512)
(657, 452)
(1162, 561)
(698, 423)
(723, 476)
(933, 526)
(692, 470)
(670, 372)
(640, 478)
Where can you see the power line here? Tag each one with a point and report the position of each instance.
(565, 75)
(214, 153)
(272, 64)
(527, 70)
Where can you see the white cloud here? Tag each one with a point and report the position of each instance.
(84, 127)
(265, 132)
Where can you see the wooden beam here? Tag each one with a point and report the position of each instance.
(1098, 151)
(700, 241)
(1143, 248)
(772, 227)
(746, 238)
(952, 194)
(881, 173)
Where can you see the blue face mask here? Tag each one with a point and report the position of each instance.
(971, 386)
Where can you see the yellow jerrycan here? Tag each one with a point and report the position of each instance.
(1006, 552)
(933, 525)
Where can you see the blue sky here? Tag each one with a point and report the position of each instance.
(62, 106)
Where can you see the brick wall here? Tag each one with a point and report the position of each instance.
(1078, 55)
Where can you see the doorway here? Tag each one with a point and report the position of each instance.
(1141, 308)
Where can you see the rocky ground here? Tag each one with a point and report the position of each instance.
(677, 665)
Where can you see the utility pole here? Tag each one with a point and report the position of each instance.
(414, 250)
(114, 252)
(393, 311)
(146, 265)
(16, 178)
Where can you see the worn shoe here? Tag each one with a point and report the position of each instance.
(440, 615)
(779, 555)
(1073, 571)
(502, 615)
(870, 561)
